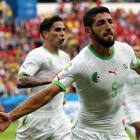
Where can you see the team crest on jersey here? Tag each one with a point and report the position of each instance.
(69, 67)
(125, 67)
(96, 77)
(50, 61)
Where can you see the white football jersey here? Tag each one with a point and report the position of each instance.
(133, 87)
(41, 63)
(100, 85)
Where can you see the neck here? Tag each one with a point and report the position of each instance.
(51, 48)
(102, 51)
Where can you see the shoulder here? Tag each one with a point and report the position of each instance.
(123, 47)
(62, 53)
(85, 55)
(81, 59)
(77, 68)
(84, 52)
(36, 51)
(35, 54)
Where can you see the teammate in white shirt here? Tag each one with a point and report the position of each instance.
(99, 71)
(132, 101)
(37, 72)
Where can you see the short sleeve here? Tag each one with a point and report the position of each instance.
(134, 60)
(31, 64)
(74, 71)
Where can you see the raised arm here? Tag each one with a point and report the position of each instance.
(31, 104)
(26, 81)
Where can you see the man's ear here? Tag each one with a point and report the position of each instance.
(88, 31)
(45, 34)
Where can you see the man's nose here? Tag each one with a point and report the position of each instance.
(108, 25)
(62, 33)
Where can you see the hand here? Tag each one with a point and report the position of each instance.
(5, 121)
(138, 134)
(136, 125)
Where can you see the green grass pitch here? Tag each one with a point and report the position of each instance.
(9, 134)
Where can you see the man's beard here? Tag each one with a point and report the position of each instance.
(102, 42)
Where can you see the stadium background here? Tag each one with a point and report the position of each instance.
(19, 34)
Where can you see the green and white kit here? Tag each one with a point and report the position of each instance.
(100, 86)
(132, 101)
(42, 124)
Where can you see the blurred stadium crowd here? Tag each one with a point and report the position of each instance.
(16, 41)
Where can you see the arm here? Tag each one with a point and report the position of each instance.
(26, 81)
(35, 101)
(31, 104)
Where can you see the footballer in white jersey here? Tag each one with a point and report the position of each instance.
(37, 72)
(132, 101)
(133, 87)
(100, 86)
(42, 63)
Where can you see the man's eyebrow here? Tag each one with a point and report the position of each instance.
(100, 20)
(59, 28)
(105, 19)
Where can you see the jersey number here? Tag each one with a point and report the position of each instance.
(114, 89)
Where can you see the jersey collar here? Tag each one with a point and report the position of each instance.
(102, 57)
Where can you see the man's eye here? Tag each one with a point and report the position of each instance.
(100, 23)
(57, 30)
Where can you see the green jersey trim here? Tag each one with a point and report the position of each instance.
(74, 125)
(138, 61)
(102, 57)
(24, 73)
(23, 124)
(73, 128)
(50, 52)
(59, 84)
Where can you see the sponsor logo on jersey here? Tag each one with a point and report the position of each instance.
(96, 77)
(58, 78)
(125, 67)
(114, 72)
(69, 67)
